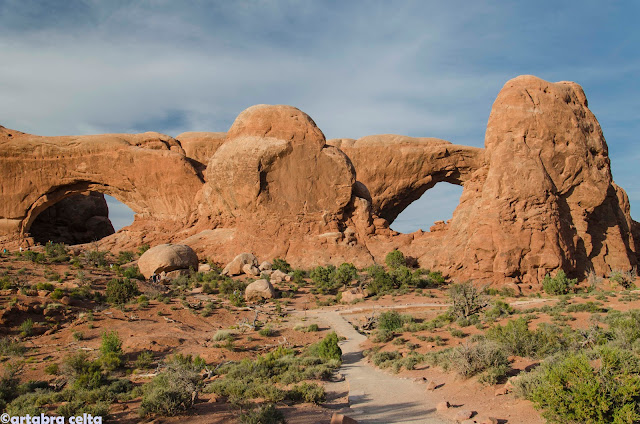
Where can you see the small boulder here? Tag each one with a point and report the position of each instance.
(259, 289)
(265, 266)
(463, 414)
(501, 391)
(235, 266)
(431, 386)
(278, 276)
(172, 275)
(443, 406)
(204, 268)
(342, 419)
(488, 420)
(166, 258)
(251, 270)
(350, 295)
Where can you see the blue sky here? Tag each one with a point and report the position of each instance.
(422, 68)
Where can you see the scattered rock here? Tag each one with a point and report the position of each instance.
(166, 258)
(235, 266)
(259, 289)
(278, 276)
(350, 295)
(250, 270)
(488, 420)
(431, 386)
(501, 391)
(342, 419)
(443, 406)
(463, 414)
(265, 266)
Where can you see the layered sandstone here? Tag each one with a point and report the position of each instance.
(545, 199)
(538, 198)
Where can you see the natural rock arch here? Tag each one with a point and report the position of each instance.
(148, 172)
(398, 169)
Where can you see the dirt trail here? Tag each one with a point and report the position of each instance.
(374, 396)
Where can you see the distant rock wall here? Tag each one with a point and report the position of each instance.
(538, 198)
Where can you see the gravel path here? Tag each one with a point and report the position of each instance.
(374, 396)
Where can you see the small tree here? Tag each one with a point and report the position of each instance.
(395, 259)
(559, 284)
(467, 300)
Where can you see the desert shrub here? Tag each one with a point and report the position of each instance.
(435, 278)
(45, 286)
(392, 320)
(383, 336)
(307, 392)
(575, 389)
(324, 279)
(35, 257)
(559, 284)
(132, 272)
(298, 276)
(82, 373)
(228, 286)
(380, 281)
(518, 340)
(467, 300)
(26, 328)
(172, 391)
(143, 248)
(312, 328)
(57, 294)
(624, 279)
(120, 291)
(282, 265)
(395, 259)
(266, 332)
(624, 328)
(472, 359)
(10, 347)
(144, 360)
(327, 348)
(222, 335)
(345, 273)
(56, 252)
(52, 369)
(124, 257)
(498, 310)
(111, 350)
(404, 277)
(265, 414)
(96, 258)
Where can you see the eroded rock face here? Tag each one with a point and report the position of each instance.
(148, 172)
(81, 218)
(167, 258)
(252, 172)
(545, 199)
(396, 170)
(538, 198)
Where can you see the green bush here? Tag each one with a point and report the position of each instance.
(124, 257)
(56, 252)
(345, 273)
(307, 392)
(143, 248)
(327, 348)
(391, 321)
(380, 281)
(111, 350)
(120, 291)
(575, 389)
(324, 279)
(472, 359)
(132, 272)
(559, 284)
(96, 258)
(395, 259)
(498, 310)
(172, 391)
(82, 373)
(266, 414)
(57, 294)
(467, 300)
(26, 328)
(282, 265)
(35, 257)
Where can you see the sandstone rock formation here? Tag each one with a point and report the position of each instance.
(236, 266)
(396, 170)
(538, 198)
(258, 290)
(167, 258)
(148, 172)
(545, 199)
(81, 218)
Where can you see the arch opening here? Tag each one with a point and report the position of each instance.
(435, 204)
(80, 218)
